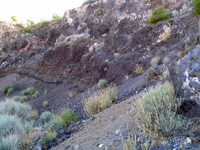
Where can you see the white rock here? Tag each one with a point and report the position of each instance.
(118, 131)
(101, 145)
(188, 140)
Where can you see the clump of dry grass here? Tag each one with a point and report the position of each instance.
(139, 69)
(100, 100)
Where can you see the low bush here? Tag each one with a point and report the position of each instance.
(36, 93)
(6, 88)
(20, 99)
(10, 125)
(29, 91)
(68, 117)
(45, 104)
(55, 17)
(11, 107)
(26, 30)
(9, 143)
(46, 117)
(50, 136)
(102, 83)
(158, 14)
(196, 6)
(55, 124)
(34, 27)
(157, 112)
(100, 100)
(154, 60)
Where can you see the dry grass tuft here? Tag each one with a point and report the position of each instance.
(139, 69)
(100, 100)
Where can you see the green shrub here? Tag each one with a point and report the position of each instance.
(36, 93)
(6, 88)
(196, 6)
(100, 100)
(10, 107)
(29, 91)
(157, 112)
(31, 22)
(55, 16)
(46, 117)
(68, 117)
(102, 83)
(51, 135)
(9, 143)
(14, 18)
(41, 24)
(56, 124)
(10, 125)
(20, 99)
(158, 14)
(26, 30)
(45, 104)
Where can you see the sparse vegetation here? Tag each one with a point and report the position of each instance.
(102, 83)
(9, 143)
(68, 117)
(20, 99)
(155, 60)
(33, 27)
(166, 60)
(45, 104)
(139, 69)
(6, 88)
(196, 4)
(10, 107)
(100, 100)
(14, 18)
(55, 17)
(34, 113)
(56, 124)
(157, 112)
(36, 93)
(10, 125)
(51, 135)
(98, 12)
(31, 22)
(46, 117)
(29, 91)
(158, 14)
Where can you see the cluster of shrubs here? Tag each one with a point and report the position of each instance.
(33, 27)
(54, 123)
(15, 121)
(160, 13)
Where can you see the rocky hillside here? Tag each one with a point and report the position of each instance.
(107, 39)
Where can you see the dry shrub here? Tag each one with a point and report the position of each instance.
(139, 69)
(100, 100)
